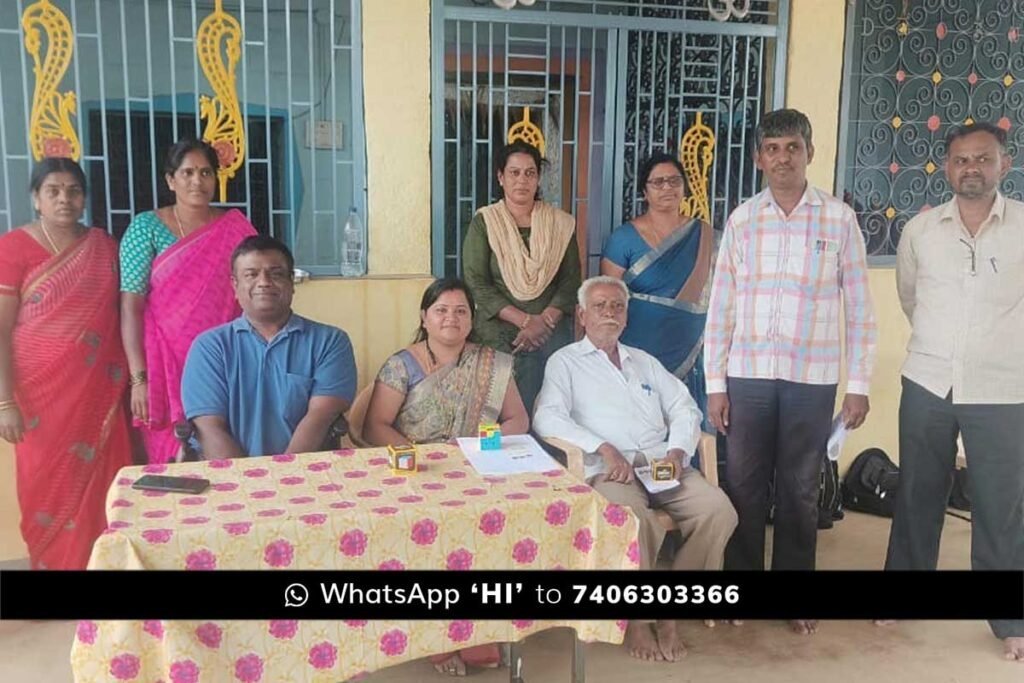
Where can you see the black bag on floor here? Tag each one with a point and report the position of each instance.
(870, 483)
(830, 499)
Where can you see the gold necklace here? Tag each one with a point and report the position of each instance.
(177, 219)
(46, 234)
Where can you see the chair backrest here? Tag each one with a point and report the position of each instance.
(357, 414)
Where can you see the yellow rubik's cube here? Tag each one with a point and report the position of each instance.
(490, 437)
(403, 458)
(663, 471)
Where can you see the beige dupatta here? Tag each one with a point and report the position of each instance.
(528, 271)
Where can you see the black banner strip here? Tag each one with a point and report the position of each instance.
(510, 595)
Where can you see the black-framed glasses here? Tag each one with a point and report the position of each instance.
(666, 181)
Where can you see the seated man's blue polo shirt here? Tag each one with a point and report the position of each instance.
(263, 388)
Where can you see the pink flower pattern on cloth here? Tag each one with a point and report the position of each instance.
(86, 632)
(341, 510)
(124, 667)
(209, 634)
(279, 554)
(353, 543)
(460, 631)
(394, 642)
(323, 656)
(424, 532)
(557, 513)
(184, 671)
(492, 522)
(200, 560)
(283, 629)
(249, 668)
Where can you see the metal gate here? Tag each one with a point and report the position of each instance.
(607, 82)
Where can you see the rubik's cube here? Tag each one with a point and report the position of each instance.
(663, 471)
(403, 459)
(490, 437)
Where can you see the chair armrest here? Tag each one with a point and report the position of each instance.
(335, 433)
(573, 455)
(707, 449)
(183, 432)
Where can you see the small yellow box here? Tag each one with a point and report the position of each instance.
(663, 471)
(403, 458)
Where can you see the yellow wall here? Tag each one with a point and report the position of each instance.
(813, 82)
(396, 78)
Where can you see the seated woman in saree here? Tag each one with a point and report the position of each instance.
(440, 388)
(62, 369)
(522, 263)
(665, 260)
(175, 283)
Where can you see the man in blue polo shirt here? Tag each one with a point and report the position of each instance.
(270, 381)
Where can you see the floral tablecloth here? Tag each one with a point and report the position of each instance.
(335, 511)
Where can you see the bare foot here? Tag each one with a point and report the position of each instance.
(883, 622)
(804, 627)
(1014, 648)
(453, 666)
(671, 648)
(641, 643)
(711, 623)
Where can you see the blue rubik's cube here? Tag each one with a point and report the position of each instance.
(490, 437)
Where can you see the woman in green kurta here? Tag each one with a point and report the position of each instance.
(521, 261)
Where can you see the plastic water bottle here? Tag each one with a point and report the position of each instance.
(352, 245)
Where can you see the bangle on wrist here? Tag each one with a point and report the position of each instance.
(8, 405)
(137, 378)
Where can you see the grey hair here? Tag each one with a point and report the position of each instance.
(581, 295)
(782, 122)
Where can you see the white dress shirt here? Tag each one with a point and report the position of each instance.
(964, 297)
(587, 401)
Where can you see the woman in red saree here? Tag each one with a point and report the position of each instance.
(175, 283)
(62, 369)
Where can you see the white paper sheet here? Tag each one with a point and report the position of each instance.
(836, 438)
(645, 477)
(518, 454)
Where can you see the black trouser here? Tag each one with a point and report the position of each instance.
(993, 437)
(782, 428)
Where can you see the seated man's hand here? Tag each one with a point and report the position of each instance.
(679, 458)
(618, 468)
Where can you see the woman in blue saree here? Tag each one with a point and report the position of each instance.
(665, 259)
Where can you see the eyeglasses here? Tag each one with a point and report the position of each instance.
(667, 181)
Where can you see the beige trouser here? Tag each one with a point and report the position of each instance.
(702, 513)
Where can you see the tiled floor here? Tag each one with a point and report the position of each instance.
(762, 652)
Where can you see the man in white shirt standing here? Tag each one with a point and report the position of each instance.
(624, 409)
(960, 277)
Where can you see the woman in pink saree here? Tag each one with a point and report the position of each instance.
(62, 369)
(175, 283)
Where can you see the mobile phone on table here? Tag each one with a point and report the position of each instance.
(157, 482)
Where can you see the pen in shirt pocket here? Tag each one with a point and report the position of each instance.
(993, 262)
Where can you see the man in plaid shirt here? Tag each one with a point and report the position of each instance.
(791, 273)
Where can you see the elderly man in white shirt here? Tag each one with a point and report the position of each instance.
(624, 409)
